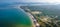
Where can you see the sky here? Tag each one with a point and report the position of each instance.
(50, 1)
(44, 1)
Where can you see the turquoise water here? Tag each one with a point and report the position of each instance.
(13, 17)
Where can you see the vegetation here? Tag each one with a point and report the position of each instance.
(52, 14)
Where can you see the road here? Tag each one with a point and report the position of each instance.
(34, 20)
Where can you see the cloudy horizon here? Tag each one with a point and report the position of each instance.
(33, 1)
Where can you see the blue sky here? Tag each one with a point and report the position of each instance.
(44, 1)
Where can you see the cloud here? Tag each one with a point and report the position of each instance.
(51, 1)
